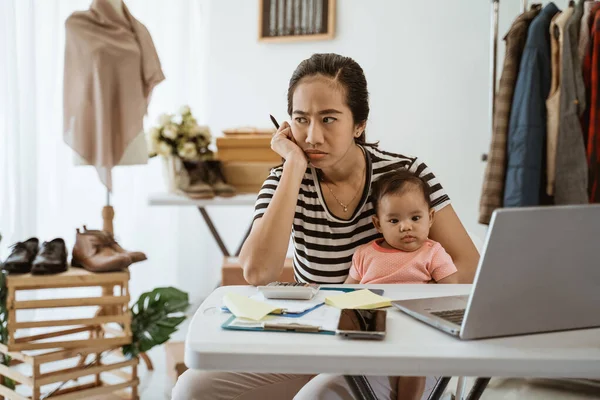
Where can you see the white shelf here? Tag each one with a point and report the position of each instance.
(171, 199)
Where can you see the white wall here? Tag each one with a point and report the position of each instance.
(427, 65)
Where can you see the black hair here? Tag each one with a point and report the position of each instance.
(346, 72)
(397, 182)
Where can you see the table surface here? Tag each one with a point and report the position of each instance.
(172, 199)
(410, 347)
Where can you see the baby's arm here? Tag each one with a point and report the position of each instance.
(450, 279)
(442, 268)
(355, 272)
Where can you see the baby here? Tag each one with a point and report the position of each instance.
(405, 254)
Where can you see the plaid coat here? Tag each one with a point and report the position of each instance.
(493, 184)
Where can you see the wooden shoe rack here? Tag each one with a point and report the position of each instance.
(41, 348)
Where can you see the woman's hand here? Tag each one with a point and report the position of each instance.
(283, 143)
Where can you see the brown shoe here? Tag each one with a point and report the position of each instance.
(194, 182)
(136, 256)
(94, 253)
(210, 172)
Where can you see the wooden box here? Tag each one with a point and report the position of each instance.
(246, 148)
(233, 274)
(88, 371)
(243, 131)
(174, 362)
(247, 176)
(109, 307)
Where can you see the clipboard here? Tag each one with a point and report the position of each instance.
(323, 320)
(265, 326)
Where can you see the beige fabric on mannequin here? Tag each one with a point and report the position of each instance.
(111, 67)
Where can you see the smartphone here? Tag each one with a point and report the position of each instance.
(362, 324)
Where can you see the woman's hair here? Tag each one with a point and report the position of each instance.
(399, 182)
(343, 70)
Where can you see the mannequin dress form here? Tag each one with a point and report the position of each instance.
(111, 67)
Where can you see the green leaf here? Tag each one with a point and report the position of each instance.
(5, 359)
(155, 316)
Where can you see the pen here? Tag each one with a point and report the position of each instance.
(290, 327)
(274, 121)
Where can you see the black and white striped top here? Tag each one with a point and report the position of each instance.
(323, 243)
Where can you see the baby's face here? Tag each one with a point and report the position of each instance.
(404, 220)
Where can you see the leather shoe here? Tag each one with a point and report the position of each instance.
(51, 259)
(22, 255)
(193, 182)
(216, 178)
(94, 253)
(136, 256)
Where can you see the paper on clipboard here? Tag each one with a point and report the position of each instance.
(324, 318)
(296, 306)
(244, 307)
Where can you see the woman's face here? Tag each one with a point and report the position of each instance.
(322, 123)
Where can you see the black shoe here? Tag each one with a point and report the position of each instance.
(22, 255)
(51, 259)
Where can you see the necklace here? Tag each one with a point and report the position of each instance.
(345, 206)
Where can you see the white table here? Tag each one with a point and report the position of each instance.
(410, 347)
(172, 199)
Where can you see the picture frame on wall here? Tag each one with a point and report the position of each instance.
(296, 20)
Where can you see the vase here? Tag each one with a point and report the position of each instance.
(172, 168)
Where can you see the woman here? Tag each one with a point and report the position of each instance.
(321, 196)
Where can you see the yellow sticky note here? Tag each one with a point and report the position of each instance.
(245, 307)
(359, 299)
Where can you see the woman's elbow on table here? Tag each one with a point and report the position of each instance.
(254, 274)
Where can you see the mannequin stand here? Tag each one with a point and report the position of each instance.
(108, 215)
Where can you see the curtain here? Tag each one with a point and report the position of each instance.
(42, 193)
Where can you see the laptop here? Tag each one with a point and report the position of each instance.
(539, 272)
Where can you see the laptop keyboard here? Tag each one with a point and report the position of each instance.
(454, 316)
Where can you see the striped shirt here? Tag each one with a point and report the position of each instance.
(323, 243)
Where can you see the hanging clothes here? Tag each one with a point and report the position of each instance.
(557, 27)
(525, 175)
(587, 72)
(111, 67)
(584, 31)
(571, 181)
(493, 184)
(593, 137)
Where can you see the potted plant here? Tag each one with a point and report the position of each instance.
(179, 138)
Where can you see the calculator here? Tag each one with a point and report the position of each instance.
(289, 291)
